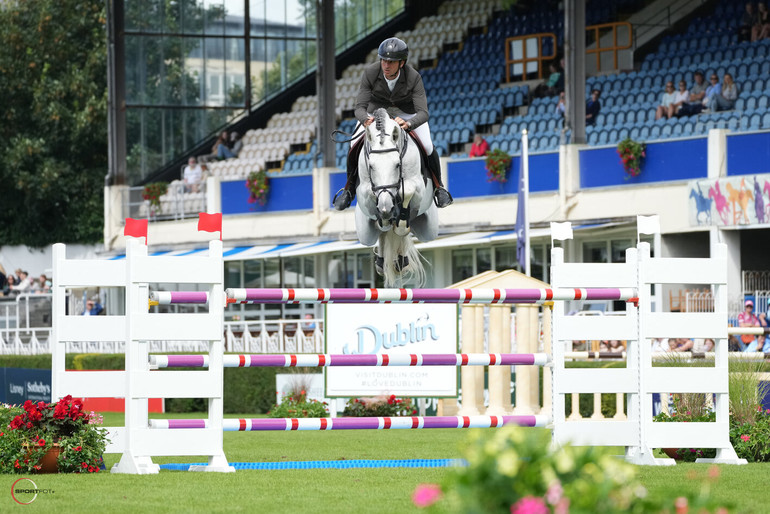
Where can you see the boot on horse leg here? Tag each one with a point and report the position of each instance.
(344, 196)
(441, 196)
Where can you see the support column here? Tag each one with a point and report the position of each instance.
(467, 373)
(499, 376)
(523, 373)
(548, 349)
(534, 371)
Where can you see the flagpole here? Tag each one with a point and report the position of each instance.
(525, 180)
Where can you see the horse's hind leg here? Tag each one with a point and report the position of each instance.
(425, 226)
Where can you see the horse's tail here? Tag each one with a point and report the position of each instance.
(391, 247)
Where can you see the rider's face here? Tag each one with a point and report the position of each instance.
(390, 68)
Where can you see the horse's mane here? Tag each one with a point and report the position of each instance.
(380, 117)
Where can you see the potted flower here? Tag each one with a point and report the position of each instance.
(498, 163)
(49, 437)
(153, 192)
(631, 154)
(259, 186)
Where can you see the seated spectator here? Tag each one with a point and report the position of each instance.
(42, 284)
(714, 88)
(694, 104)
(10, 281)
(223, 139)
(747, 318)
(593, 107)
(192, 176)
(761, 28)
(703, 345)
(308, 326)
(725, 100)
(479, 148)
(225, 152)
(681, 345)
(748, 20)
(93, 308)
(3, 280)
(615, 346)
(24, 284)
(680, 98)
(550, 86)
(666, 100)
(659, 346)
(561, 106)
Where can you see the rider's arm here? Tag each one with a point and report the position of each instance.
(420, 104)
(363, 98)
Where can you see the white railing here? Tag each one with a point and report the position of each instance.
(699, 301)
(174, 205)
(274, 336)
(755, 281)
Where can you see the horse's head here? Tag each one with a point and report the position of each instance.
(384, 150)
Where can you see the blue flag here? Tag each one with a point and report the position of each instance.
(522, 227)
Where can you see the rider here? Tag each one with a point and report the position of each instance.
(399, 89)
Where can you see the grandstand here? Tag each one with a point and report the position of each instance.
(459, 51)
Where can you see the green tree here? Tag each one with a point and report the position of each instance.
(53, 134)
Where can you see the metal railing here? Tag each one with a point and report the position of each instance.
(519, 50)
(755, 281)
(24, 321)
(174, 205)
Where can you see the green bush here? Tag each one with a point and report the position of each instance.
(297, 405)
(380, 406)
(751, 440)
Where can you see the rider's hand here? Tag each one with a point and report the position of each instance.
(368, 121)
(403, 124)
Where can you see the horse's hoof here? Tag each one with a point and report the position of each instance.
(342, 199)
(402, 262)
(378, 262)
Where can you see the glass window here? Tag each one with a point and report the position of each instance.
(364, 270)
(483, 260)
(272, 273)
(462, 264)
(505, 258)
(619, 249)
(309, 271)
(252, 274)
(595, 251)
(292, 272)
(233, 274)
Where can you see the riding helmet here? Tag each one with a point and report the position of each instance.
(393, 49)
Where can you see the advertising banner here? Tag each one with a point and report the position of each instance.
(391, 329)
(20, 385)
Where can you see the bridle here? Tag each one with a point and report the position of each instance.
(392, 189)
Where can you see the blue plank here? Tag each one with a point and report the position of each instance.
(294, 193)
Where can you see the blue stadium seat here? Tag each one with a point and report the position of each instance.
(766, 120)
(655, 132)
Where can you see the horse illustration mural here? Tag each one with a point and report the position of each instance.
(720, 202)
(702, 204)
(740, 196)
(759, 202)
(766, 190)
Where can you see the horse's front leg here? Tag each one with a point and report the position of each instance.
(401, 227)
(366, 228)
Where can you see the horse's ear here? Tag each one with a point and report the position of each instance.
(396, 133)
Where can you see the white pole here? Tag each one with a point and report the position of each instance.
(525, 173)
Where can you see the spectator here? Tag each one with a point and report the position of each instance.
(3, 280)
(225, 152)
(725, 100)
(714, 88)
(549, 87)
(561, 106)
(680, 98)
(193, 174)
(308, 326)
(664, 108)
(659, 346)
(42, 284)
(24, 284)
(615, 346)
(681, 345)
(761, 28)
(593, 106)
(223, 139)
(748, 20)
(10, 281)
(703, 346)
(694, 103)
(479, 148)
(93, 308)
(748, 319)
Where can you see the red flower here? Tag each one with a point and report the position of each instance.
(84, 465)
(414, 411)
(17, 465)
(77, 448)
(41, 442)
(16, 423)
(92, 469)
(28, 405)
(30, 425)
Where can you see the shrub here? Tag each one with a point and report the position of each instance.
(751, 440)
(297, 405)
(380, 406)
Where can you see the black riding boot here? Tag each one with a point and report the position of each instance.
(345, 195)
(441, 196)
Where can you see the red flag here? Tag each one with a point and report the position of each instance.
(210, 223)
(136, 228)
